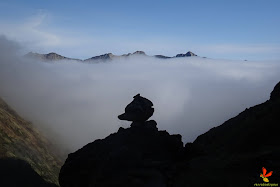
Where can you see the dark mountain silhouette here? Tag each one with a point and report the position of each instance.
(20, 140)
(51, 57)
(234, 153)
(137, 156)
(231, 154)
(188, 54)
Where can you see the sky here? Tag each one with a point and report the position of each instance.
(236, 30)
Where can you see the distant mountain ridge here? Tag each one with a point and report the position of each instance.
(100, 58)
(48, 57)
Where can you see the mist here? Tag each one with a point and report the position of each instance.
(75, 103)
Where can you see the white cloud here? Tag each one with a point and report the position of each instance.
(29, 32)
(81, 102)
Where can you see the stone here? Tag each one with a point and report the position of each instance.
(139, 110)
(137, 156)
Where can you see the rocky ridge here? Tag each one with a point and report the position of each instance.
(48, 57)
(52, 57)
(240, 146)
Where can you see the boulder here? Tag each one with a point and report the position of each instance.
(139, 110)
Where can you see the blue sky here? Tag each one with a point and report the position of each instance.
(81, 29)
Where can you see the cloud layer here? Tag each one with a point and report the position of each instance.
(77, 103)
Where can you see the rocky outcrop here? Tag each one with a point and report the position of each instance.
(137, 156)
(239, 147)
(139, 110)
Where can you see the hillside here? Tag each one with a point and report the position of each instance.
(234, 153)
(20, 140)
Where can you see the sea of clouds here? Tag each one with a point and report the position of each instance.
(76, 103)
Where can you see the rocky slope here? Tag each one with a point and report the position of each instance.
(234, 153)
(20, 140)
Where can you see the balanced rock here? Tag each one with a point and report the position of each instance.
(139, 110)
(138, 156)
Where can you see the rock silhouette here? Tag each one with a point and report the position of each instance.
(241, 146)
(231, 154)
(139, 110)
(137, 156)
(275, 94)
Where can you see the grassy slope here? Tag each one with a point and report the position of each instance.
(19, 139)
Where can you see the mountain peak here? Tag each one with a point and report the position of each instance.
(52, 56)
(104, 57)
(188, 54)
(100, 58)
(139, 53)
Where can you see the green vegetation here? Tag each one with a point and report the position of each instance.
(19, 139)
